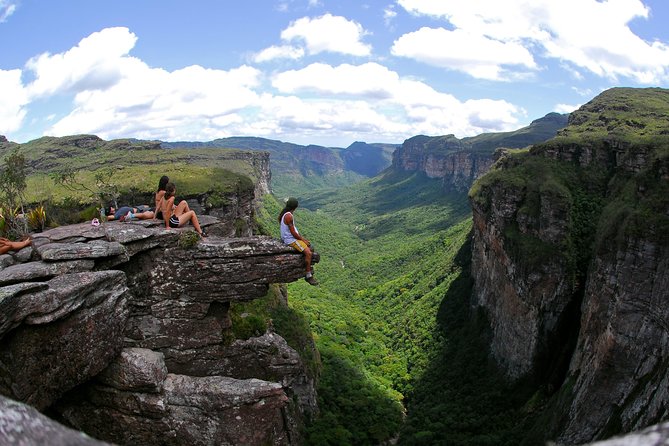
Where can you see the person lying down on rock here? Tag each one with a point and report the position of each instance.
(127, 213)
(7, 245)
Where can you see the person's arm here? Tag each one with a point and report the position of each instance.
(288, 219)
(167, 211)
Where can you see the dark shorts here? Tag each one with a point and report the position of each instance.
(174, 222)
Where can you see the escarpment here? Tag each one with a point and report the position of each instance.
(570, 260)
(124, 331)
(459, 162)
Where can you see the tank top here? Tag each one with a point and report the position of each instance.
(286, 235)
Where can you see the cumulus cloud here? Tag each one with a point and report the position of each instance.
(328, 33)
(13, 100)
(475, 54)
(397, 106)
(589, 34)
(7, 8)
(97, 62)
(117, 95)
(279, 52)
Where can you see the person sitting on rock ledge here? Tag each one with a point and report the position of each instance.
(176, 217)
(127, 213)
(160, 195)
(291, 237)
(7, 245)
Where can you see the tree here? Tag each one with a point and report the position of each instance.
(12, 190)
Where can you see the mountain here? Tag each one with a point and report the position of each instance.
(569, 260)
(296, 168)
(458, 162)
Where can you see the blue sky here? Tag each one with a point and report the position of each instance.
(327, 72)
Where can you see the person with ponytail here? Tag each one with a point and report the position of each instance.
(291, 237)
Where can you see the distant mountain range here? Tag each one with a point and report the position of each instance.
(295, 167)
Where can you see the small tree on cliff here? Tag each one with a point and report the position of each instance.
(12, 194)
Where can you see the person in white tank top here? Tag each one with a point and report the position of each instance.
(291, 236)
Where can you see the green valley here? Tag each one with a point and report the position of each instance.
(394, 292)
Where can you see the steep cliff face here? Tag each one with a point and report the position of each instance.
(570, 255)
(461, 161)
(126, 334)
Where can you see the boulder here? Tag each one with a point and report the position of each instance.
(21, 424)
(58, 337)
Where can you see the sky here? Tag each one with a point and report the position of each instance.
(325, 72)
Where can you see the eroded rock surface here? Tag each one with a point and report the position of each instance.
(123, 333)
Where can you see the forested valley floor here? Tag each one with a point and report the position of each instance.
(402, 357)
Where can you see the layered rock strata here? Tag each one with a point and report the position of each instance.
(570, 258)
(127, 335)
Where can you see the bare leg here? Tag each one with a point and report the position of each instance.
(307, 258)
(181, 208)
(7, 245)
(192, 217)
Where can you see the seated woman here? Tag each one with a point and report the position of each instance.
(7, 245)
(127, 213)
(176, 217)
(160, 196)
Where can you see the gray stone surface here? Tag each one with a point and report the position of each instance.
(23, 425)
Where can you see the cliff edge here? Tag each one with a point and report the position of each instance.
(571, 265)
(124, 331)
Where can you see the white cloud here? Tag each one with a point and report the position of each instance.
(97, 62)
(403, 107)
(153, 103)
(13, 100)
(116, 95)
(279, 52)
(328, 33)
(566, 108)
(7, 8)
(590, 34)
(389, 14)
(475, 54)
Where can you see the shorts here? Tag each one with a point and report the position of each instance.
(174, 222)
(298, 245)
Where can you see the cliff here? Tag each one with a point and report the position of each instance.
(458, 162)
(570, 260)
(124, 331)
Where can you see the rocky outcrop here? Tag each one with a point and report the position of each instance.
(459, 162)
(570, 259)
(620, 367)
(124, 331)
(448, 159)
(21, 424)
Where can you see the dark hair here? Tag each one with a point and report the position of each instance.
(170, 188)
(108, 210)
(163, 182)
(291, 205)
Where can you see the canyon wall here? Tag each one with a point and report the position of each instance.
(570, 260)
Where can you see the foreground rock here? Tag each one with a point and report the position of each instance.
(23, 425)
(81, 294)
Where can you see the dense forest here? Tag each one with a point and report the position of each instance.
(390, 317)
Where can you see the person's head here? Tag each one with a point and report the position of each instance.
(291, 204)
(109, 210)
(170, 189)
(163, 182)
